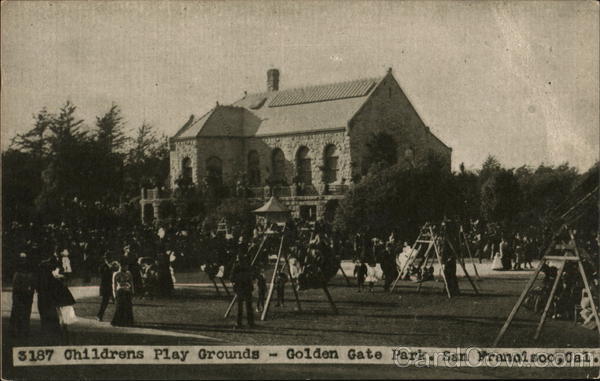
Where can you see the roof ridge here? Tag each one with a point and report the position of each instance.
(307, 87)
(310, 87)
(325, 92)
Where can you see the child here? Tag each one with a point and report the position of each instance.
(528, 252)
(586, 311)
(497, 262)
(519, 256)
(372, 275)
(281, 280)
(66, 266)
(360, 273)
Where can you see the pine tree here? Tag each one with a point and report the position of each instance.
(109, 135)
(35, 141)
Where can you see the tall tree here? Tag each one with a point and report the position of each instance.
(147, 161)
(69, 165)
(468, 193)
(490, 166)
(109, 135)
(501, 198)
(35, 141)
(144, 143)
(109, 143)
(398, 199)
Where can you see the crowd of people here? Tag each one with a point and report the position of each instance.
(142, 260)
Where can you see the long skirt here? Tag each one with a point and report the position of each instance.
(21, 313)
(124, 309)
(497, 262)
(48, 315)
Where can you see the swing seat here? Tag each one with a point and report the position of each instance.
(318, 272)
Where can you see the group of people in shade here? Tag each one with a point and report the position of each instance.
(141, 261)
(55, 301)
(395, 258)
(310, 263)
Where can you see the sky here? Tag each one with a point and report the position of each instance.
(518, 80)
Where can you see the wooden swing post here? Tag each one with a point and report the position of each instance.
(272, 286)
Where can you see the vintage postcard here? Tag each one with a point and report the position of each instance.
(300, 189)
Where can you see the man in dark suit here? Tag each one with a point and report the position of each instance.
(106, 275)
(241, 276)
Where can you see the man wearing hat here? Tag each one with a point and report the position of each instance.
(241, 276)
(106, 275)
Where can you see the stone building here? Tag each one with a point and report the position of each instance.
(306, 145)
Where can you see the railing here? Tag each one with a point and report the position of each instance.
(294, 190)
(154, 194)
(306, 190)
(335, 189)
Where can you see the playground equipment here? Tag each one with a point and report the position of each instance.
(430, 242)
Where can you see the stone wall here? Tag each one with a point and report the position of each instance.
(290, 144)
(389, 110)
(229, 150)
(179, 151)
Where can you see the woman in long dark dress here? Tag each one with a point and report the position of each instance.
(165, 281)
(47, 301)
(123, 293)
(22, 297)
(52, 296)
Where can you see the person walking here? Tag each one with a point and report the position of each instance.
(23, 287)
(261, 284)
(280, 282)
(122, 287)
(106, 278)
(241, 276)
(388, 265)
(360, 273)
(47, 300)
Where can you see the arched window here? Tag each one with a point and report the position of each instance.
(214, 170)
(186, 168)
(303, 166)
(409, 155)
(278, 165)
(253, 168)
(330, 161)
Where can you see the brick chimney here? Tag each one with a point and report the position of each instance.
(272, 80)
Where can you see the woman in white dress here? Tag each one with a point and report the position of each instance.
(372, 276)
(497, 262)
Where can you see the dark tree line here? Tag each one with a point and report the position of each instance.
(60, 167)
(62, 163)
(397, 196)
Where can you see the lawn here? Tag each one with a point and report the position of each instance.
(404, 318)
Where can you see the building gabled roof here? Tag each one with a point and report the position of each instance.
(220, 121)
(307, 109)
(193, 126)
